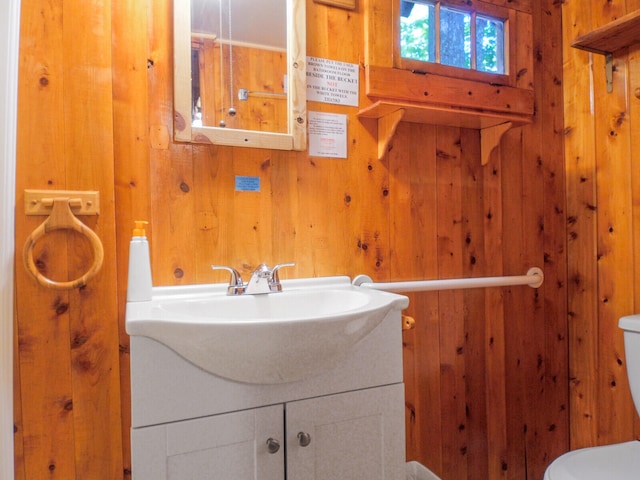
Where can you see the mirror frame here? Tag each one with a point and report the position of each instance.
(296, 136)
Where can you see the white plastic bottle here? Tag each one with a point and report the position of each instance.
(139, 282)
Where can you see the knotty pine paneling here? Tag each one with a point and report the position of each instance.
(486, 371)
(603, 188)
(131, 140)
(68, 381)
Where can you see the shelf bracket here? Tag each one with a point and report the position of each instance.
(387, 125)
(610, 38)
(490, 139)
(490, 125)
(608, 58)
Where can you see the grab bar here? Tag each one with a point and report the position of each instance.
(533, 278)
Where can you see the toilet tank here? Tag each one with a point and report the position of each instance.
(631, 327)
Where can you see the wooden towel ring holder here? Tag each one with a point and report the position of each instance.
(62, 218)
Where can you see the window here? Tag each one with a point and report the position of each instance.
(435, 32)
(458, 63)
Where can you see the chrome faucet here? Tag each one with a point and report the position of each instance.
(263, 280)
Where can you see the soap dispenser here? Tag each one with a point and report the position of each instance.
(139, 282)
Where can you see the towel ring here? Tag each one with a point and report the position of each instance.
(62, 218)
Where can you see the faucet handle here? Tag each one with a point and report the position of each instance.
(262, 271)
(275, 278)
(236, 285)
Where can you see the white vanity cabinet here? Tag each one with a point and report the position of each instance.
(356, 436)
(230, 446)
(345, 422)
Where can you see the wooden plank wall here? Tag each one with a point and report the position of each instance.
(67, 378)
(486, 371)
(603, 211)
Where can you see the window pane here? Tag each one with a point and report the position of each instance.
(455, 38)
(489, 44)
(417, 30)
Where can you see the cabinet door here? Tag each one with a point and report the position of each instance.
(357, 436)
(232, 446)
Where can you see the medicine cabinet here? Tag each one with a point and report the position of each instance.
(235, 84)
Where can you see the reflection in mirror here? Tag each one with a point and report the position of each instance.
(239, 72)
(246, 66)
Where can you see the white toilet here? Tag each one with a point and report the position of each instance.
(620, 461)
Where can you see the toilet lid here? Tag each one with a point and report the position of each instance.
(613, 462)
(630, 323)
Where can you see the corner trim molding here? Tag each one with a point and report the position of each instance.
(9, 47)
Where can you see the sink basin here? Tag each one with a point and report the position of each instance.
(309, 327)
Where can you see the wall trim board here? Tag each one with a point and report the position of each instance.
(9, 42)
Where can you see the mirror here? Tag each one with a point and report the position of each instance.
(239, 73)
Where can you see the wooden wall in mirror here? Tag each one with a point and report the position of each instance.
(240, 73)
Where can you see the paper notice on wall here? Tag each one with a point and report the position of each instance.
(327, 135)
(330, 81)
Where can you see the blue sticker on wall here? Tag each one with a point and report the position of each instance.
(247, 184)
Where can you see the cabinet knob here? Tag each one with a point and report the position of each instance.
(304, 439)
(273, 445)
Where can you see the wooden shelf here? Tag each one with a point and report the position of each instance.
(492, 125)
(611, 37)
(439, 100)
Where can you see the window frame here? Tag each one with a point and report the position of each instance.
(478, 8)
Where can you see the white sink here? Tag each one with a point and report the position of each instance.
(282, 337)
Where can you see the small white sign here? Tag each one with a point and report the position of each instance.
(330, 81)
(327, 135)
